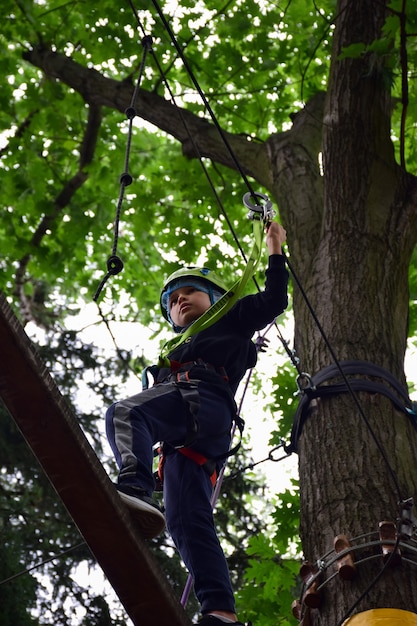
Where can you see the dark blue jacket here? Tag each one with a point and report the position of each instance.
(228, 343)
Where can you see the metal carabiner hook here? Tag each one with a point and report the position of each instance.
(259, 211)
(271, 456)
(304, 383)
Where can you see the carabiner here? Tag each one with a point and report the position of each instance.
(259, 211)
(304, 383)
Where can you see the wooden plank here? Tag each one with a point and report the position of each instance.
(51, 430)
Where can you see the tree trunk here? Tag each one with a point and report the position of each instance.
(356, 465)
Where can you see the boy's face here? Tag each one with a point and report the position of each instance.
(186, 304)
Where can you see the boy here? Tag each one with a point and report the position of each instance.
(192, 407)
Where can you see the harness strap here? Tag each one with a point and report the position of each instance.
(209, 465)
(317, 389)
(168, 372)
(190, 396)
(177, 368)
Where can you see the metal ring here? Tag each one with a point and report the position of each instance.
(258, 208)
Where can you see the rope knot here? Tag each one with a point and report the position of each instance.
(126, 179)
(114, 265)
(130, 113)
(147, 42)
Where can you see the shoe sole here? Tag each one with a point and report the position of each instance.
(150, 521)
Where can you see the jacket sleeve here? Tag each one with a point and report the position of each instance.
(254, 312)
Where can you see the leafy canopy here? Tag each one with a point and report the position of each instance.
(61, 159)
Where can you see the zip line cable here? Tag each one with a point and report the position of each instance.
(204, 99)
(41, 563)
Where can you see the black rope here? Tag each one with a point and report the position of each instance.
(205, 101)
(44, 562)
(114, 262)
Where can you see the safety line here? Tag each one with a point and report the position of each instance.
(48, 560)
(204, 99)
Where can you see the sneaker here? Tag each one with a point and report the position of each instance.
(143, 509)
(212, 620)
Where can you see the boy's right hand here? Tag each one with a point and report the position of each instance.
(275, 237)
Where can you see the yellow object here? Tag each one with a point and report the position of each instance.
(383, 617)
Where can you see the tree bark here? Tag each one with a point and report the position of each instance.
(356, 465)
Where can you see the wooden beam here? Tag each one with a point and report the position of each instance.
(51, 430)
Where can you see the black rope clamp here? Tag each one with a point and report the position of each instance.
(259, 211)
(126, 179)
(147, 42)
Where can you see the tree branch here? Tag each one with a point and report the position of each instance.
(181, 124)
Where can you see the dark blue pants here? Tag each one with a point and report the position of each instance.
(134, 426)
